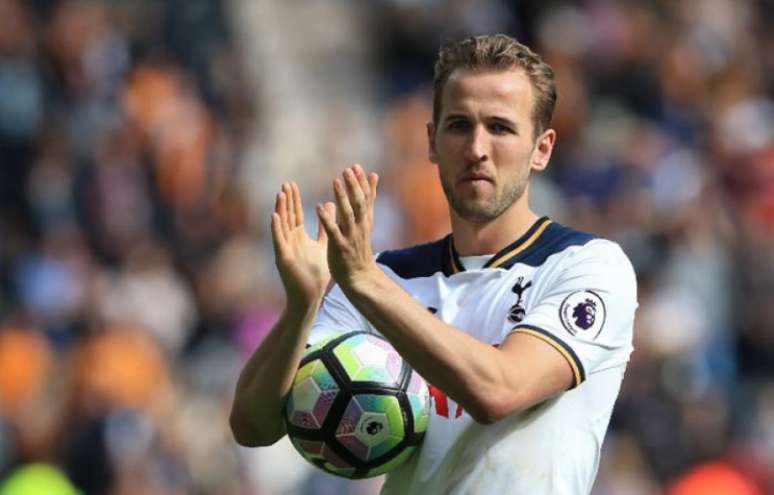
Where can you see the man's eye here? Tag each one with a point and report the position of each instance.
(500, 129)
(457, 125)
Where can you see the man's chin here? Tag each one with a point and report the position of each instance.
(476, 213)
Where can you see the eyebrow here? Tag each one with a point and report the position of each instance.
(497, 119)
(505, 121)
(453, 116)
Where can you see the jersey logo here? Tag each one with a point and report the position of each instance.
(583, 311)
(517, 311)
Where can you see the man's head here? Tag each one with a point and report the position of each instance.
(497, 52)
(492, 108)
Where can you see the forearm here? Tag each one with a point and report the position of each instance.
(256, 414)
(466, 369)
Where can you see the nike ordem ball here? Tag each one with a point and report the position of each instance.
(356, 409)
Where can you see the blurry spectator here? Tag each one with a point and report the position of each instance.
(715, 478)
(149, 293)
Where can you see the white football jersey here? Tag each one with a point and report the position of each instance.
(573, 291)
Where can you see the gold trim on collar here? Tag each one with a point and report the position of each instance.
(455, 268)
(521, 247)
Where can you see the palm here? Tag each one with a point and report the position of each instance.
(301, 261)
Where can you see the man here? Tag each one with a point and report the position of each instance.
(529, 327)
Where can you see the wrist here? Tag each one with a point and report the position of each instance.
(363, 283)
(297, 310)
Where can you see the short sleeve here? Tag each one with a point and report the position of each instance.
(336, 315)
(587, 311)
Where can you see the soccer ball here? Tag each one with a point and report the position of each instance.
(356, 409)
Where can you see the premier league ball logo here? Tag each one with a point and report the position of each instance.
(583, 312)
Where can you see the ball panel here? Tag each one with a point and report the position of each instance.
(392, 463)
(381, 425)
(395, 420)
(305, 371)
(312, 395)
(416, 384)
(304, 420)
(374, 357)
(372, 428)
(394, 365)
(323, 405)
(347, 359)
(304, 397)
(373, 375)
(309, 447)
(323, 378)
(420, 409)
(349, 419)
(384, 447)
(335, 464)
(358, 448)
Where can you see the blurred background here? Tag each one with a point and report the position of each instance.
(142, 142)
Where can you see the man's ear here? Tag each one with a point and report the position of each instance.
(544, 146)
(431, 152)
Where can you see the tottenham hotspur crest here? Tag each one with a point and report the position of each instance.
(517, 311)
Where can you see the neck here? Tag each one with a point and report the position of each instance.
(471, 239)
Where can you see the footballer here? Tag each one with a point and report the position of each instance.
(522, 325)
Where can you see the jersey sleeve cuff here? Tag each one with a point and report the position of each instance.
(579, 374)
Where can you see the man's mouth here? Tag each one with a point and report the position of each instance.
(475, 177)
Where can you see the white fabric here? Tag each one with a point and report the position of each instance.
(554, 447)
(475, 262)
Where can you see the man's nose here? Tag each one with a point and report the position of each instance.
(477, 149)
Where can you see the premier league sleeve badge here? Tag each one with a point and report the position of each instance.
(583, 312)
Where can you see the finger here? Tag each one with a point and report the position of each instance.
(345, 213)
(281, 210)
(299, 207)
(327, 215)
(277, 236)
(355, 194)
(322, 235)
(362, 179)
(290, 205)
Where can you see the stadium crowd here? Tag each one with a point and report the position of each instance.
(140, 143)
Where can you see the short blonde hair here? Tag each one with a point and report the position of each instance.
(497, 52)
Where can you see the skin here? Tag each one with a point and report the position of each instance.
(485, 130)
(485, 148)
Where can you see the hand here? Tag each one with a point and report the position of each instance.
(301, 261)
(348, 224)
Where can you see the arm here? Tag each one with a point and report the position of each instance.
(263, 385)
(488, 382)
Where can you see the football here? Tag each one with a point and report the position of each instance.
(356, 409)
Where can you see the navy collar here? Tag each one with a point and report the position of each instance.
(506, 257)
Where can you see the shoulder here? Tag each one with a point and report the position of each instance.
(422, 260)
(599, 263)
(557, 239)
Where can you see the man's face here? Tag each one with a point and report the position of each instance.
(484, 143)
